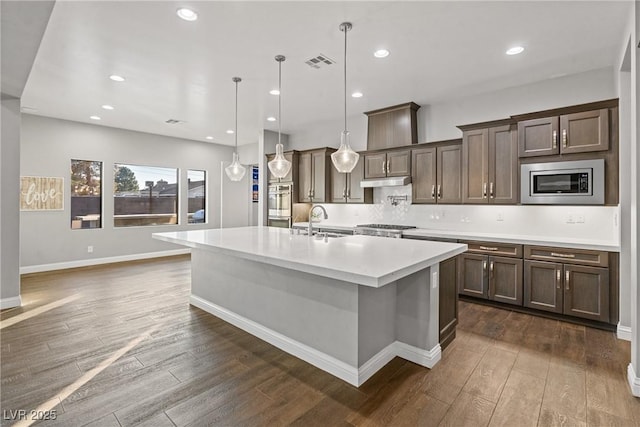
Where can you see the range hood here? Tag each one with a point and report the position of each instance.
(392, 181)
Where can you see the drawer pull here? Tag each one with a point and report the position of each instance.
(563, 255)
(488, 248)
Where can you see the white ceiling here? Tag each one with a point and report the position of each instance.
(182, 70)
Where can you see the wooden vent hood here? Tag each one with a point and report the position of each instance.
(391, 127)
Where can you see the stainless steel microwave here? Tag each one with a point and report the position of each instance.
(579, 182)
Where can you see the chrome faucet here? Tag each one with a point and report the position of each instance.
(310, 231)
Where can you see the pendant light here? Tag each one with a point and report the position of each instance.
(279, 166)
(235, 171)
(345, 159)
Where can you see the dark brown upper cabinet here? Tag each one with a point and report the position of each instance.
(490, 165)
(436, 174)
(391, 127)
(578, 132)
(314, 176)
(345, 187)
(386, 164)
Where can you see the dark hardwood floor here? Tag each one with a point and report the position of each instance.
(124, 347)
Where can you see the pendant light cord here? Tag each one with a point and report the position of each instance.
(279, 100)
(236, 133)
(345, 77)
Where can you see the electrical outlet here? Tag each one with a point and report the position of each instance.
(90, 249)
(570, 219)
(500, 217)
(579, 219)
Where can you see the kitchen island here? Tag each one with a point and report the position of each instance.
(346, 305)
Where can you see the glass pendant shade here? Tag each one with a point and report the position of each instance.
(235, 171)
(345, 159)
(279, 166)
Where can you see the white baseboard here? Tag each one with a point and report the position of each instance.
(330, 364)
(10, 302)
(376, 363)
(98, 261)
(426, 358)
(623, 332)
(634, 381)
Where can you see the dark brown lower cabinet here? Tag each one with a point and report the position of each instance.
(574, 290)
(505, 280)
(490, 277)
(448, 309)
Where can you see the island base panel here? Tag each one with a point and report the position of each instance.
(348, 330)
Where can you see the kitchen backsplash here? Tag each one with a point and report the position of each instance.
(597, 223)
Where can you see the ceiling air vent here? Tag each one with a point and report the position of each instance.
(173, 121)
(319, 61)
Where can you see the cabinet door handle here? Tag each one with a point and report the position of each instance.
(554, 139)
(384, 166)
(558, 278)
(349, 193)
(566, 280)
(433, 191)
(344, 193)
(484, 190)
(491, 190)
(564, 138)
(488, 248)
(562, 255)
(491, 269)
(388, 166)
(439, 191)
(484, 265)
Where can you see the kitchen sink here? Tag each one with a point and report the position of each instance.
(318, 234)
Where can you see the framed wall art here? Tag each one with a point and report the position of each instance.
(39, 193)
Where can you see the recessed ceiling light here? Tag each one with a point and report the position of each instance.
(356, 95)
(230, 131)
(116, 78)
(381, 53)
(187, 14)
(271, 119)
(515, 50)
(208, 137)
(274, 92)
(95, 117)
(107, 107)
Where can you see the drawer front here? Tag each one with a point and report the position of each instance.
(497, 249)
(567, 256)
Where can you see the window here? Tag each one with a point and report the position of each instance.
(144, 195)
(86, 194)
(197, 196)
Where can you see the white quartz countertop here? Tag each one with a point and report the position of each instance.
(364, 260)
(327, 224)
(562, 242)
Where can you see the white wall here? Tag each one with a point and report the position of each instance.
(47, 147)
(9, 196)
(624, 90)
(438, 122)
